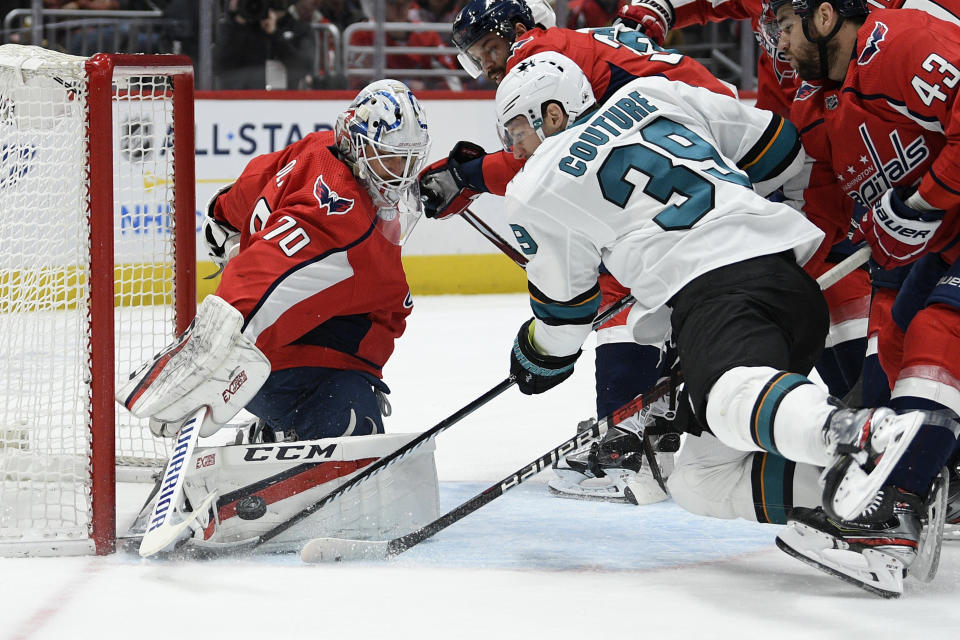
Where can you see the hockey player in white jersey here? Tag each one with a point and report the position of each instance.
(656, 183)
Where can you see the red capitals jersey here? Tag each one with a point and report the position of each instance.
(610, 59)
(891, 123)
(318, 285)
(776, 79)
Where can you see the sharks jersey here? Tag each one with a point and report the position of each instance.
(609, 57)
(656, 183)
(316, 283)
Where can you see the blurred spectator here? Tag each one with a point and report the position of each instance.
(295, 24)
(306, 11)
(437, 10)
(592, 13)
(111, 35)
(399, 11)
(255, 46)
(340, 13)
(182, 36)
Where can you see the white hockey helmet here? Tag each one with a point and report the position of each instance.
(383, 135)
(541, 78)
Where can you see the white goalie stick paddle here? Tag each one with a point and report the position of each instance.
(337, 549)
(167, 520)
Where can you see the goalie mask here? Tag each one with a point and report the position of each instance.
(540, 79)
(383, 136)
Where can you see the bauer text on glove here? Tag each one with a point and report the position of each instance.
(897, 228)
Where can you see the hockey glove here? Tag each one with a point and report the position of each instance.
(897, 233)
(223, 241)
(654, 18)
(534, 371)
(444, 186)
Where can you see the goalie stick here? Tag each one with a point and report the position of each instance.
(335, 549)
(162, 528)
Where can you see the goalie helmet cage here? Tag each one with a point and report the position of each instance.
(97, 261)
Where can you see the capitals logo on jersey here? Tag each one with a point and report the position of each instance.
(329, 201)
(872, 46)
(806, 90)
(882, 166)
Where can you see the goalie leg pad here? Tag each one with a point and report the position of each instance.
(259, 486)
(210, 364)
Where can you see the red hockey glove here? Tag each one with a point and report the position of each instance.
(897, 233)
(444, 187)
(654, 18)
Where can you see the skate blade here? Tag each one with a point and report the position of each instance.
(872, 570)
(853, 488)
(590, 497)
(924, 567)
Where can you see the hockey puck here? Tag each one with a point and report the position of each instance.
(251, 508)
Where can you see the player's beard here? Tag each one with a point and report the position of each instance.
(808, 61)
(808, 67)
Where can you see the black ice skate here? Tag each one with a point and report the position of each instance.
(612, 470)
(873, 552)
(951, 528)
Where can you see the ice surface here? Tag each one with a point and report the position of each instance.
(528, 565)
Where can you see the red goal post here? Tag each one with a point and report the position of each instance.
(97, 273)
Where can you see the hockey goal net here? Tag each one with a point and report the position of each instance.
(97, 255)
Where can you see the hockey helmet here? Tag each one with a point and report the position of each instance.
(540, 79)
(845, 8)
(383, 136)
(480, 17)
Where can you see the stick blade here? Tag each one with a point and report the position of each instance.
(340, 549)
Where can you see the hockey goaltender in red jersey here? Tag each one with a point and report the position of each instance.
(313, 296)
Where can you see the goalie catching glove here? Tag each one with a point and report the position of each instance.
(444, 186)
(223, 241)
(534, 371)
(897, 228)
(211, 364)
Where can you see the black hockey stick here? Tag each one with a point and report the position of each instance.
(488, 232)
(327, 549)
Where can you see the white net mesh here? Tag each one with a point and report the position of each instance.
(45, 335)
